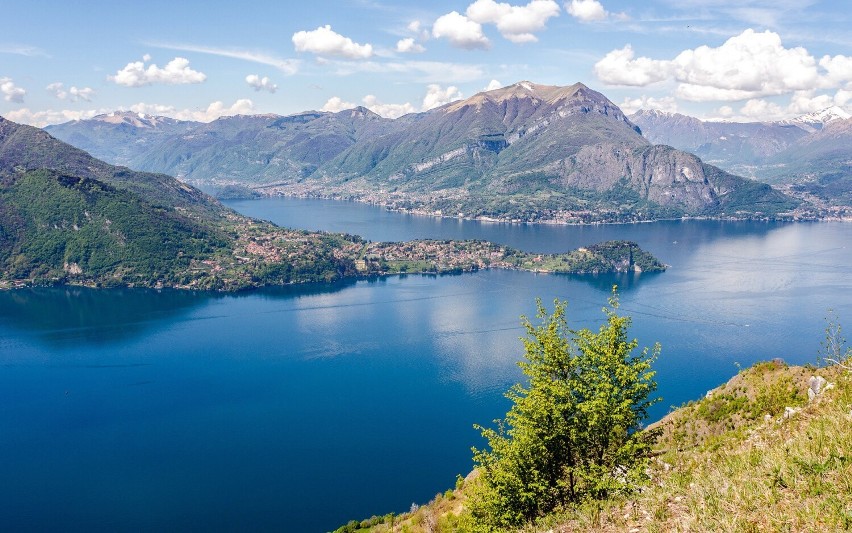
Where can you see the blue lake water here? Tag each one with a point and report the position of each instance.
(299, 408)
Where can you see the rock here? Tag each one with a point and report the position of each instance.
(815, 386)
(790, 411)
(767, 417)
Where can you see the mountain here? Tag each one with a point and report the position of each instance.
(66, 217)
(811, 154)
(119, 136)
(819, 165)
(527, 149)
(734, 146)
(817, 120)
(522, 152)
(248, 149)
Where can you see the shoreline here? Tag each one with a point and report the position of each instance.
(845, 216)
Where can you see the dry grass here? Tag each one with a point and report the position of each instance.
(723, 465)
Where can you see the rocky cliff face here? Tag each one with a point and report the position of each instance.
(659, 174)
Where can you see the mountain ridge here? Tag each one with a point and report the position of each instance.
(523, 152)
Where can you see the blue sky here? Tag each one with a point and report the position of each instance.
(746, 59)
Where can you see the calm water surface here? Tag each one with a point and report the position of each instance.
(299, 408)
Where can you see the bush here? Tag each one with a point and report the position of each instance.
(572, 433)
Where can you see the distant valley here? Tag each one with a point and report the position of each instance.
(811, 155)
(525, 152)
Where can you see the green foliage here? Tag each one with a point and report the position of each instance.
(572, 433)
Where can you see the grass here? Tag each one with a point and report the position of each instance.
(729, 462)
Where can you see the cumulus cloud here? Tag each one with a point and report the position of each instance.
(176, 72)
(492, 85)
(747, 66)
(515, 23)
(759, 109)
(325, 41)
(632, 105)
(261, 84)
(588, 10)
(335, 104)
(460, 31)
(838, 69)
(73, 94)
(808, 101)
(11, 92)
(387, 110)
(213, 111)
(409, 45)
(437, 96)
(620, 67)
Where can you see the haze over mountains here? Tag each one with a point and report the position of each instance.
(526, 151)
(811, 153)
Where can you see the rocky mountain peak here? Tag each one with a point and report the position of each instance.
(132, 118)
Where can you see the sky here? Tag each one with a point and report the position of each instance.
(746, 60)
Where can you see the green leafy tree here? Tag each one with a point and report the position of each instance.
(573, 431)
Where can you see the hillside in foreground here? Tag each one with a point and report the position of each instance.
(755, 454)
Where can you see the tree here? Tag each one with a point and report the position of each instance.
(574, 430)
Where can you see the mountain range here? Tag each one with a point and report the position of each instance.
(67, 217)
(523, 152)
(810, 154)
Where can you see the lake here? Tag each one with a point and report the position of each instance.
(299, 408)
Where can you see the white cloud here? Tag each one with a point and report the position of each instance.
(414, 26)
(417, 29)
(436, 96)
(632, 105)
(620, 68)
(759, 109)
(44, 118)
(287, 66)
(335, 104)
(11, 92)
(515, 23)
(807, 102)
(842, 98)
(838, 68)
(750, 65)
(408, 45)
(325, 41)
(74, 94)
(261, 84)
(460, 31)
(492, 85)
(387, 110)
(213, 111)
(754, 62)
(176, 72)
(586, 10)
(22, 50)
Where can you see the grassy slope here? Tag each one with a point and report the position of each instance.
(728, 462)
